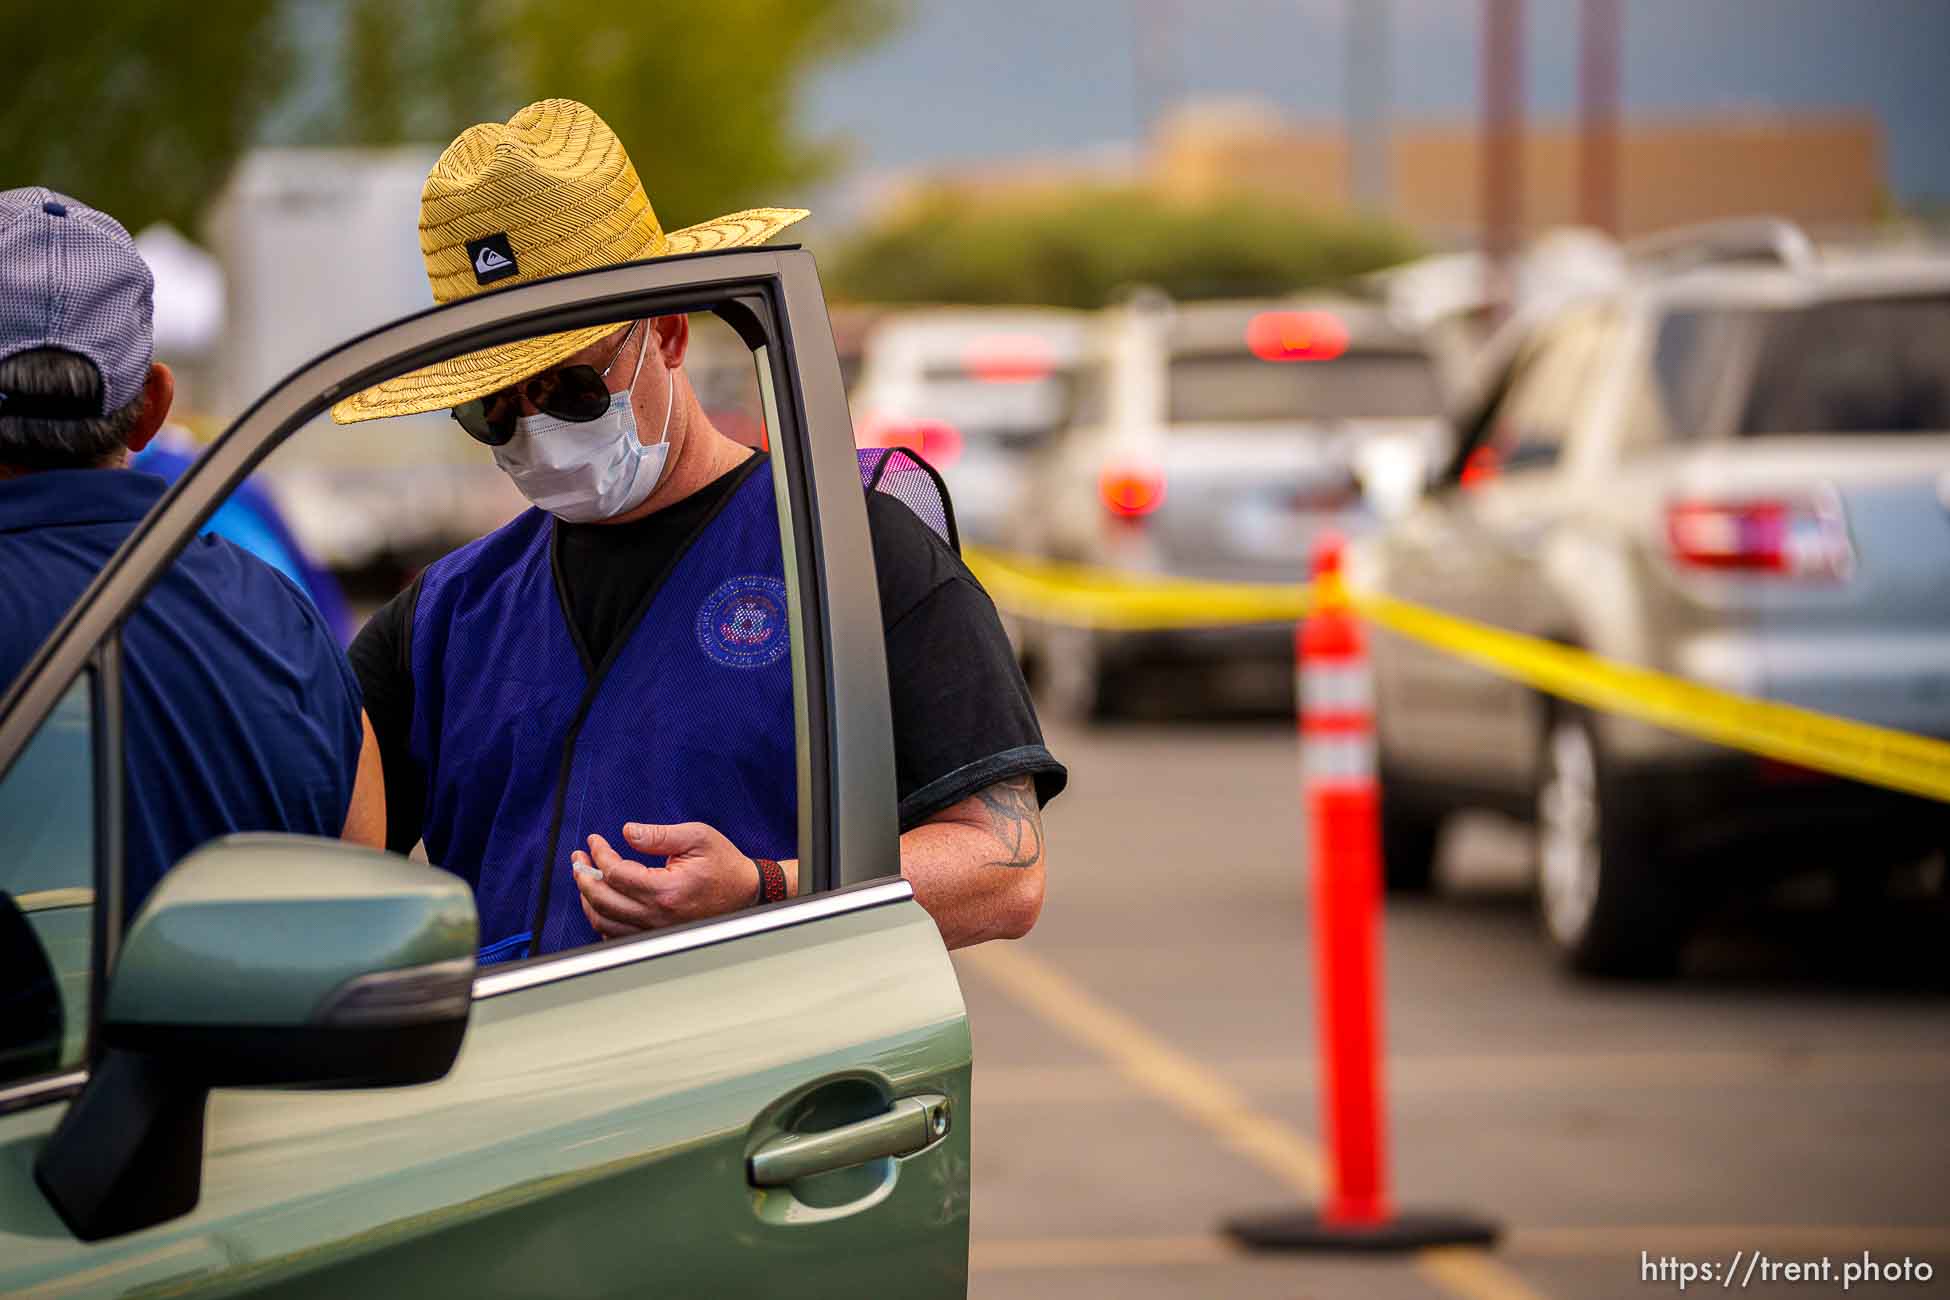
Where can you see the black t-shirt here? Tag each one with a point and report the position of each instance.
(962, 714)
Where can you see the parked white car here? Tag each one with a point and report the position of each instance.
(1215, 440)
(976, 391)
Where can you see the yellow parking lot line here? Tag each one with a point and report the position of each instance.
(1152, 1065)
(1472, 1273)
(1168, 1074)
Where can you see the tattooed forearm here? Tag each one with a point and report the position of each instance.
(1015, 821)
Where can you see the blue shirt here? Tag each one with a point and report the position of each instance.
(240, 712)
(250, 518)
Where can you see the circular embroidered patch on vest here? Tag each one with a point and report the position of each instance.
(742, 624)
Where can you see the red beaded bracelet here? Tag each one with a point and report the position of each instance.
(771, 880)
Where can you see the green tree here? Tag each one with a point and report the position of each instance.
(135, 107)
(1079, 250)
(702, 92)
(141, 108)
(417, 72)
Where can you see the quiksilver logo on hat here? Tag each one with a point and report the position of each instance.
(494, 258)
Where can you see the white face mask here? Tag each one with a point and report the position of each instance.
(593, 470)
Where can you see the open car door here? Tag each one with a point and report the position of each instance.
(773, 1100)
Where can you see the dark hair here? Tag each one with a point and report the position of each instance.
(40, 442)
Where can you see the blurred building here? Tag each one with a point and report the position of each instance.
(1824, 170)
(189, 319)
(1011, 180)
(316, 247)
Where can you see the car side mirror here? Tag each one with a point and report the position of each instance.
(259, 960)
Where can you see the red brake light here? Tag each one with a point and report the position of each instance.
(1008, 359)
(936, 441)
(1130, 493)
(940, 443)
(1482, 466)
(1790, 538)
(1296, 336)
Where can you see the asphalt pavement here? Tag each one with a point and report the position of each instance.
(1145, 1068)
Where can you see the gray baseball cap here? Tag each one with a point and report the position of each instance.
(70, 278)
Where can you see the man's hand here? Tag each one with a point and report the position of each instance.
(704, 875)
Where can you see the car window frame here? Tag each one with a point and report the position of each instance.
(1571, 343)
(102, 673)
(849, 830)
(1536, 342)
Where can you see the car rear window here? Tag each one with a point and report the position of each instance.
(1237, 387)
(1871, 365)
(1006, 407)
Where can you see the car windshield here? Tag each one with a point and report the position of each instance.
(1873, 365)
(1238, 387)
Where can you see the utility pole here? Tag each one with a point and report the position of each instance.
(1503, 137)
(1598, 97)
(1367, 105)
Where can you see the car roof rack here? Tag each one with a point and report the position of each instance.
(1746, 239)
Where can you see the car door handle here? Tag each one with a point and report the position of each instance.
(907, 1126)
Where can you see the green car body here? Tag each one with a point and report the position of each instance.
(774, 1101)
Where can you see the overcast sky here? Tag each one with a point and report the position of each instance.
(969, 79)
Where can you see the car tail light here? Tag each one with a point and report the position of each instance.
(1131, 492)
(1790, 538)
(1296, 336)
(935, 441)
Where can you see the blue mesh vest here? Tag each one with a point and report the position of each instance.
(689, 720)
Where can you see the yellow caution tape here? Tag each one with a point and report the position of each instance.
(1095, 598)
(1081, 597)
(1839, 746)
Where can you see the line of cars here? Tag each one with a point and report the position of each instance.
(1209, 440)
(1718, 453)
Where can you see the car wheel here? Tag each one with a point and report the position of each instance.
(1604, 902)
(1410, 832)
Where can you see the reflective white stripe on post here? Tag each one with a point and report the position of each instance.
(1345, 687)
(1338, 756)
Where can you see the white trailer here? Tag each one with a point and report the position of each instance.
(318, 246)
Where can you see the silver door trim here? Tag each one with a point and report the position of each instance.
(53, 1087)
(589, 961)
(625, 952)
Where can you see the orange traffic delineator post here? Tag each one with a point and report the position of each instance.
(1344, 839)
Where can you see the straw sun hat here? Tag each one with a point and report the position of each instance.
(552, 191)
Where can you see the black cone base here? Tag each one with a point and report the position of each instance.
(1304, 1229)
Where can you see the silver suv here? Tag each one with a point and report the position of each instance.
(1733, 466)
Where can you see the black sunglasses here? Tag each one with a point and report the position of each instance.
(578, 393)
